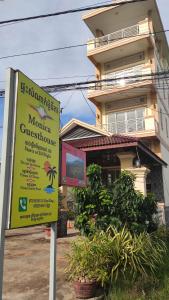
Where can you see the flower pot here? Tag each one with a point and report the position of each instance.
(47, 231)
(85, 290)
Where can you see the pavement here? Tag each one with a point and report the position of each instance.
(26, 265)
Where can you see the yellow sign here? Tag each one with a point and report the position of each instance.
(36, 156)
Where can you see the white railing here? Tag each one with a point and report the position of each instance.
(117, 35)
(138, 29)
(122, 78)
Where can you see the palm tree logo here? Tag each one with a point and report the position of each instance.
(51, 173)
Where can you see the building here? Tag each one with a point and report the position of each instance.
(129, 46)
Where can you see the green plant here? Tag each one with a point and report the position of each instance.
(86, 262)
(70, 215)
(115, 255)
(131, 207)
(87, 200)
(118, 205)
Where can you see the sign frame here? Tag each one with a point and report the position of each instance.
(80, 157)
(16, 137)
(6, 176)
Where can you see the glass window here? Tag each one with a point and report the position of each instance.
(128, 121)
(140, 112)
(120, 117)
(131, 125)
(131, 115)
(121, 128)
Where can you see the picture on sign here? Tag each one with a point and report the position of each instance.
(34, 194)
(73, 166)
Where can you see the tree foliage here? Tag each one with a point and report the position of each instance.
(98, 207)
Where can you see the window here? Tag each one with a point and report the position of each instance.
(128, 60)
(127, 121)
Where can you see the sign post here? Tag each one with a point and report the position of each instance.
(6, 162)
(52, 275)
(30, 162)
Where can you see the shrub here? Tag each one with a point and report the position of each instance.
(98, 206)
(113, 255)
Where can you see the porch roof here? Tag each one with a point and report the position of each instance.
(115, 142)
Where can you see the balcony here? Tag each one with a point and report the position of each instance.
(135, 38)
(120, 82)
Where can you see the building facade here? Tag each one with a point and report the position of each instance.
(131, 57)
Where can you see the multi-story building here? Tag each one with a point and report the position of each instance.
(129, 41)
(129, 47)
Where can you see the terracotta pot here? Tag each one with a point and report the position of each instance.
(85, 290)
(47, 232)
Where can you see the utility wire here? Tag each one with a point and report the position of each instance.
(60, 78)
(102, 126)
(86, 84)
(80, 45)
(70, 11)
(88, 103)
(77, 84)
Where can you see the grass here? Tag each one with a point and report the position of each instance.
(147, 289)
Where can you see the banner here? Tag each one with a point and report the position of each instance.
(73, 166)
(34, 195)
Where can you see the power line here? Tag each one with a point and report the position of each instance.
(77, 84)
(68, 100)
(88, 104)
(60, 78)
(79, 45)
(70, 11)
(94, 113)
(87, 84)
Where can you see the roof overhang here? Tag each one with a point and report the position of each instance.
(126, 146)
(74, 122)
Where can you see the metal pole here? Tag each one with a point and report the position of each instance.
(52, 275)
(6, 163)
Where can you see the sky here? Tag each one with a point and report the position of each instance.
(49, 33)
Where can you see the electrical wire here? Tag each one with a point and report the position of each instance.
(95, 114)
(87, 84)
(59, 78)
(88, 103)
(70, 11)
(79, 84)
(80, 45)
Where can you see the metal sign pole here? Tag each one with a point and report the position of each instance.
(6, 163)
(52, 274)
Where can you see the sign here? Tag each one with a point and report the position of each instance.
(73, 166)
(34, 194)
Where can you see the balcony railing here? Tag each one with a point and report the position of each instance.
(122, 78)
(128, 32)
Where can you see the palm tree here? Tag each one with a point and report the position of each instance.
(51, 173)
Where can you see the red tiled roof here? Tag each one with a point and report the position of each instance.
(102, 141)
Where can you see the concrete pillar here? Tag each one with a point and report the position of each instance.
(126, 160)
(140, 182)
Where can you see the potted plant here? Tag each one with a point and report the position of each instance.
(84, 268)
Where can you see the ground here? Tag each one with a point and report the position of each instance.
(26, 266)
